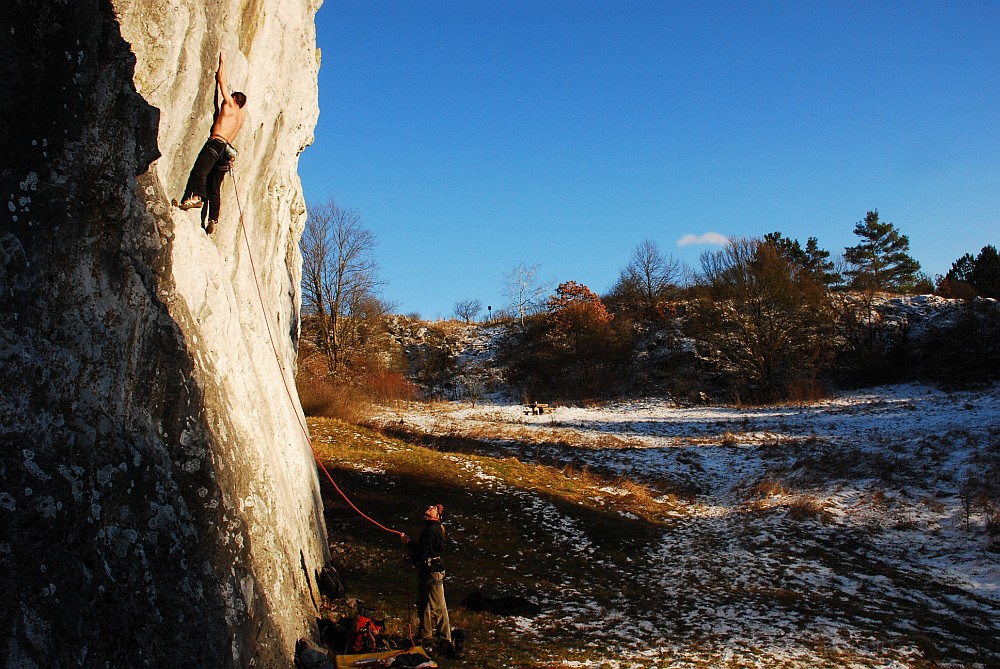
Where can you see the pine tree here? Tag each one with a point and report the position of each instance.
(881, 261)
(961, 269)
(789, 248)
(986, 272)
(819, 265)
(970, 275)
(813, 260)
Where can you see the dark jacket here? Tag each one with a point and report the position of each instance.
(426, 551)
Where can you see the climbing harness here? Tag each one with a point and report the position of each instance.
(277, 359)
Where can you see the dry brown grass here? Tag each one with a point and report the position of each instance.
(351, 399)
(806, 507)
(616, 442)
(767, 488)
(320, 396)
(495, 427)
(878, 499)
(645, 495)
(806, 391)
(770, 494)
(447, 328)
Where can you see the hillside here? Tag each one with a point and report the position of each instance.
(918, 337)
(862, 531)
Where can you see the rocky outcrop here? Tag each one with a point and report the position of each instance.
(158, 500)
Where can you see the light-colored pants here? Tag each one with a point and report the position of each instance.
(432, 607)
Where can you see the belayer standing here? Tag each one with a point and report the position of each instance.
(217, 155)
(425, 553)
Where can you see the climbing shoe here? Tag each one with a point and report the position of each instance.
(209, 226)
(193, 202)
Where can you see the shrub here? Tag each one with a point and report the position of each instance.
(325, 397)
(966, 351)
(386, 387)
(806, 391)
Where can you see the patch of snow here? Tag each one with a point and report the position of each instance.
(859, 513)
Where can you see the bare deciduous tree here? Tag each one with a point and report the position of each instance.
(649, 279)
(473, 383)
(316, 244)
(467, 310)
(761, 315)
(524, 292)
(340, 277)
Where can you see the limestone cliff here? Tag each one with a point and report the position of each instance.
(158, 500)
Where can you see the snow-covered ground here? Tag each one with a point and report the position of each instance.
(861, 531)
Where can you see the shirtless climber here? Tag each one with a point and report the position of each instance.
(217, 155)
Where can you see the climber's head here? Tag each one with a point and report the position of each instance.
(240, 99)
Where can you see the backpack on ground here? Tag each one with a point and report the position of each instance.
(367, 635)
(331, 585)
(310, 656)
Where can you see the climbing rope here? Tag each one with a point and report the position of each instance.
(277, 359)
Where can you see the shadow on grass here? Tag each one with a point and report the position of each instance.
(595, 563)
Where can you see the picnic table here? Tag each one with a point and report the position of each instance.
(537, 409)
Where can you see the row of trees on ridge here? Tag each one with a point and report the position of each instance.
(775, 312)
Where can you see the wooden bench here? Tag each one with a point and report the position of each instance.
(537, 409)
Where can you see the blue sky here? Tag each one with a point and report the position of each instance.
(471, 136)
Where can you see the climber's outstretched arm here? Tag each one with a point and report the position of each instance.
(229, 116)
(220, 80)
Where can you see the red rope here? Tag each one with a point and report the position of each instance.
(284, 381)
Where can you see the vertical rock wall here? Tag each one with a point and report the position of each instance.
(158, 500)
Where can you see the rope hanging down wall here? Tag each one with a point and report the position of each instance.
(284, 381)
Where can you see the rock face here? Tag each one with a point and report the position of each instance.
(159, 505)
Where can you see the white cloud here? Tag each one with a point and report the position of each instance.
(707, 238)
